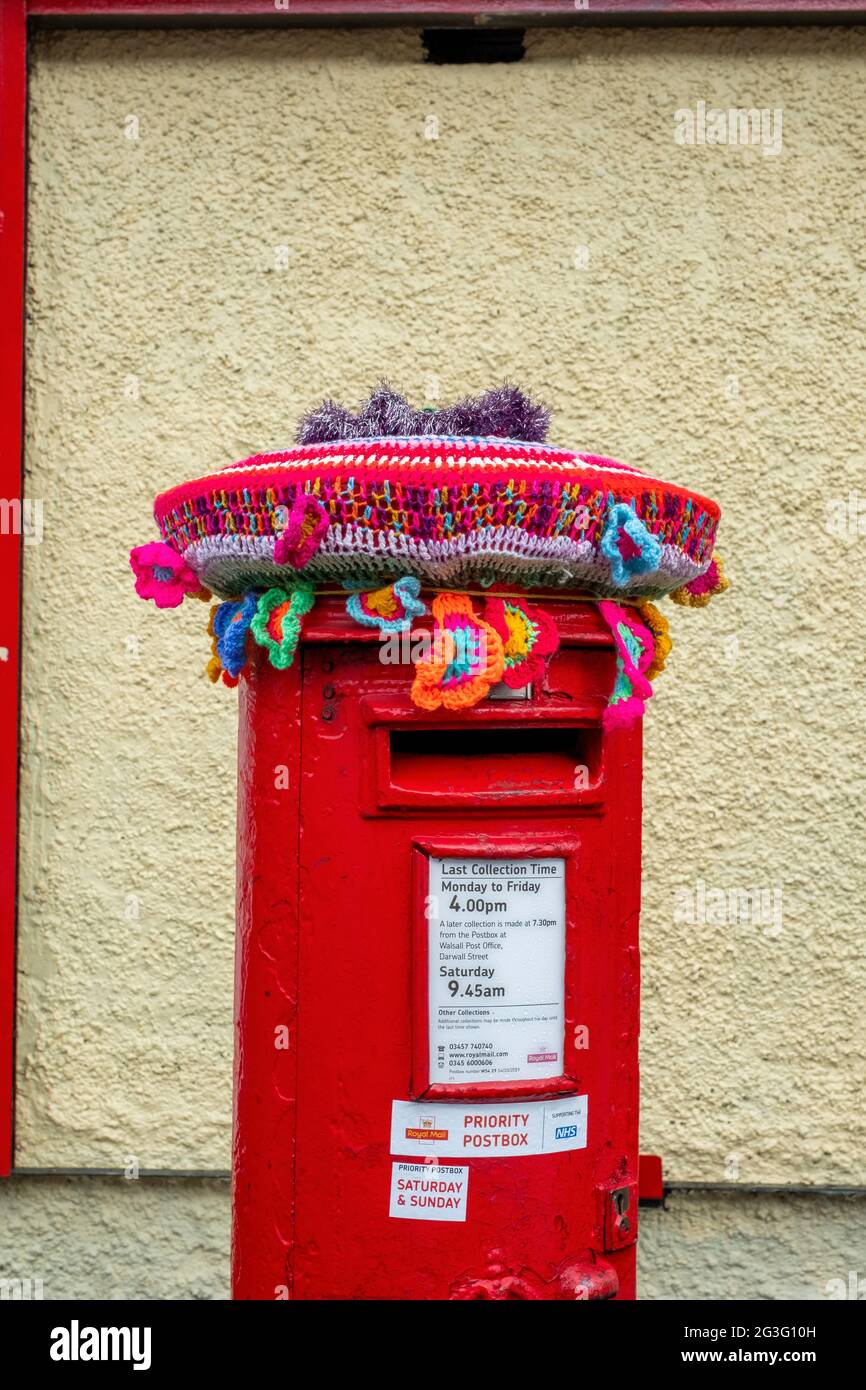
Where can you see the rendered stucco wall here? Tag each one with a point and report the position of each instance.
(103, 1238)
(226, 226)
(735, 1246)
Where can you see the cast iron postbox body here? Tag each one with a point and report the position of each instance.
(437, 935)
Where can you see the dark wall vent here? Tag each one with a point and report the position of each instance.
(473, 45)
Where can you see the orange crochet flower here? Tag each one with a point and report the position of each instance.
(467, 657)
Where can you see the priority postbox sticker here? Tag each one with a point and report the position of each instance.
(429, 1191)
(488, 1131)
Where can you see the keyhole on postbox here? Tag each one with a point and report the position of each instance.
(620, 1202)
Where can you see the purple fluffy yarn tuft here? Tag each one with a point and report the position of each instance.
(506, 412)
(327, 421)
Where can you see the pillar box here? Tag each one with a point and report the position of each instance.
(443, 636)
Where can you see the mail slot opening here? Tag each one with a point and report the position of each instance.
(496, 762)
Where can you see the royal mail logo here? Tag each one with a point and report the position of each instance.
(542, 1056)
(426, 1132)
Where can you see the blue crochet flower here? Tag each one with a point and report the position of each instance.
(391, 608)
(231, 625)
(628, 545)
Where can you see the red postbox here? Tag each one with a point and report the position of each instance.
(436, 1081)
(385, 807)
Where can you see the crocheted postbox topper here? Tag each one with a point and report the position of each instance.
(393, 492)
(405, 509)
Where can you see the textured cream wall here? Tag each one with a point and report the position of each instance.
(752, 1246)
(714, 332)
(104, 1238)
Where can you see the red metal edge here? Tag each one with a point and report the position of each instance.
(651, 1186)
(420, 1079)
(523, 12)
(266, 981)
(13, 97)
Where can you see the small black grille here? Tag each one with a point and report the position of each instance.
(473, 45)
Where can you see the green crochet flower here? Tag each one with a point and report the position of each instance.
(277, 623)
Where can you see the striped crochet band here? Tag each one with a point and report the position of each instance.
(451, 511)
(447, 458)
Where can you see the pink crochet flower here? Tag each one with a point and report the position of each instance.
(162, 575)
(698, 592)
(307, 524)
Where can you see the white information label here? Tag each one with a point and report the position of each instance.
(429, 1191)
(496, 931)
(446, 1130)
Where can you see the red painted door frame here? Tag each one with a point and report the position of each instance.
(443, 12)
(13, 86)
(14, 17)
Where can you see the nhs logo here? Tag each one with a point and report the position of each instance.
(566, 1124)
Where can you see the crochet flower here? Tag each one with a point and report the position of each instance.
(162, 575)
(231, 626)
(298, 542)
(466, 659)
(698, 592)
(628, 545)
(214, 668)
(528, 636)
(660, 629)
(634, 654)
(390, 609)
(277, 622)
